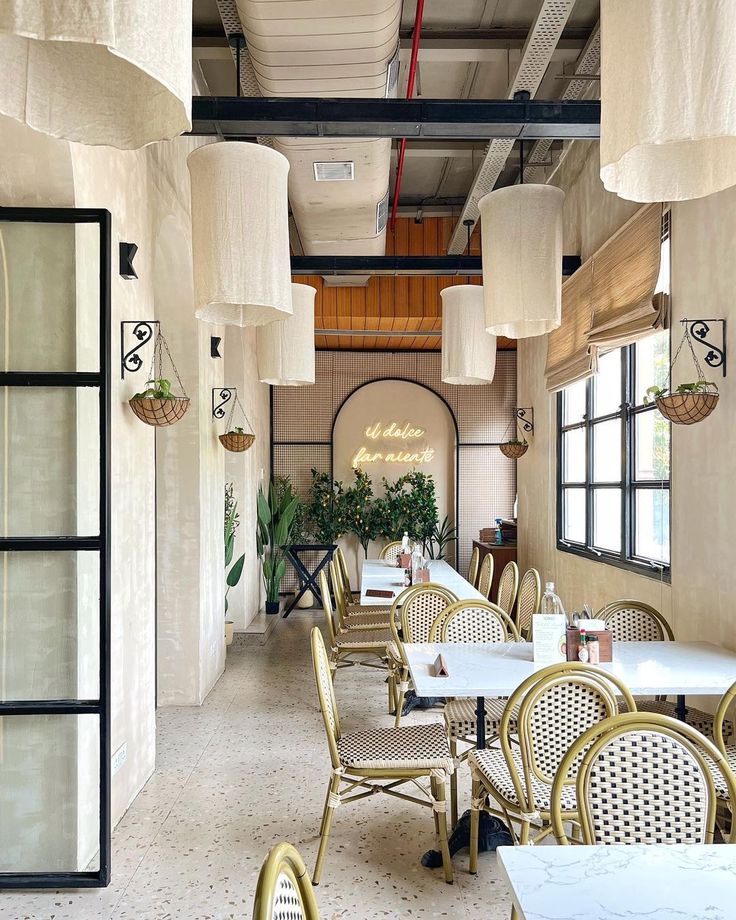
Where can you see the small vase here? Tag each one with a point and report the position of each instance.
(229, 631)
(272, 607)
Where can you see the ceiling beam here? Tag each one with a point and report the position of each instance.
(248, 116)
(400, 265)
(489, 38)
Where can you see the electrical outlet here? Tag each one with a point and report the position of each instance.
(119, 757)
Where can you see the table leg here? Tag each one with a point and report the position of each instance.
(480, 715)
(681, 709)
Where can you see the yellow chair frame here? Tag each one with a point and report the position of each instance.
(508, 586)
(473, 566)
(284, 864)
(528, 602)
(485, 576)
(390, 548)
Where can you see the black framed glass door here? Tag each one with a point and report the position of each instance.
(54, 547)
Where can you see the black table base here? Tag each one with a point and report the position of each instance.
(307, 578)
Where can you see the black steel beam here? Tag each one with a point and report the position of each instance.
(400, 265)
(532, 119)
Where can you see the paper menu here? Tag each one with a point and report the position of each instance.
(549, 636)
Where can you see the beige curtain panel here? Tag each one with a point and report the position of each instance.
(570, 356)
(625, 273)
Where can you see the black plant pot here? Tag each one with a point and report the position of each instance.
(272, 607)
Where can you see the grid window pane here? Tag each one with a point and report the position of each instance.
(607, 386)
(573, 402)
(652, 531)
(607, 451)
(651, 447)
(573, 453)
(574, 515)
(607, 519)
(652, 364)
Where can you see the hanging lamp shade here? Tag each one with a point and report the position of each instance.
(668, 80)
(113, 72)
(521, 234)
(468, 351)
(286, 348)
(240, 234)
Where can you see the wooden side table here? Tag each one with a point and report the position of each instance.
(502, 553)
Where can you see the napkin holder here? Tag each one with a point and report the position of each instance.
(404, 560)
(439, 668)
(421, 575)
(605, 643)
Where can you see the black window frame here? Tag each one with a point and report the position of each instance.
(629, 410)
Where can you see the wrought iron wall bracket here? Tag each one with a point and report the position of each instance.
(132, 340)
(525, 418)
(222, 397)
(710, 334)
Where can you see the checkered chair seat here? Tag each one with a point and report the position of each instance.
(367, 620)
(369, 610)
(461, 720)
(363, 638)
(697, 718)
(409, 747)
(492, 765)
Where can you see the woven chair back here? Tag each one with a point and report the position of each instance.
(508, 585)
(720, 717)
(326, 694)
(338, 591)
(342, 567)
(643, 778)
(485, 576)
(284, 890)
(421, 608)
(635, 621)
(474, 621)
(530, 598)
(391, 552)
(473, 566)
(324, 590)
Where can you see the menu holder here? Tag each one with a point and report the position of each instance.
(439, 668)
(405, 560)
(548, 632)
(378, 592)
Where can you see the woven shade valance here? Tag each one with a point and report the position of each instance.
(570, 356)
(625, 273)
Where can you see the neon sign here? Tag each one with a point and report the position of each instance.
(403, 436)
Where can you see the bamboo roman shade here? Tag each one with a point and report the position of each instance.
(570, 357)
(610, 301)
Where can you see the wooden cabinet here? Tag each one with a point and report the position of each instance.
(502, 553)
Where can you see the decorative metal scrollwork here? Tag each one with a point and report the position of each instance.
(526, 419)
(701, 330)
(142, 332)
(221, 397)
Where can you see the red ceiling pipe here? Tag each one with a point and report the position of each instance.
(416, 36)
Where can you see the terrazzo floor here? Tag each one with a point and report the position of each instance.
(249, 768)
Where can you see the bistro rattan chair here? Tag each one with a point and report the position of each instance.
(485, 576)
(284, 890)
(552, 707)
(631, 621)
(420, 606)
(391, 552)
(342, 565)
(642, 778)
(528, 602)
(473, 566)
(380, 760)
(477, 622)
(727, 749)
(508, 585)
(355, 616)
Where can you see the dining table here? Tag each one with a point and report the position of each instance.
(621, 881)
(379, 576)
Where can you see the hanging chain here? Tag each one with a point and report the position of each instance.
(228, 424)
(157, 365)
(686, 338)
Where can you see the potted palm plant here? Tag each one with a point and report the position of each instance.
(275, 513)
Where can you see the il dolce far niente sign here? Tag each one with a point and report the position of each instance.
(394, 442)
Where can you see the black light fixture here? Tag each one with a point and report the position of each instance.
(127, 254)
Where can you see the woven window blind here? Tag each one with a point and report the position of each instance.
(625, 273)
(570, 356)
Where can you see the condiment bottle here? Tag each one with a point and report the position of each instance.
(594, 650)
(407, 577)
(583, 654)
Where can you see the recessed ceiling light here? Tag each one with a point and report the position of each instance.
(334, 171)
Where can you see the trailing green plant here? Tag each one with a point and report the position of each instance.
(699, 386)
(363, 512)
(275, 515)
(159, 389)
(234, 572)
(325, 508)
(442, 535)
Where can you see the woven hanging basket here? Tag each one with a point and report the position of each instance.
(236, 442)
(514, 450)
(687, 408)
(160, 412)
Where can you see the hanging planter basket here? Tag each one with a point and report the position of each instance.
(237, 440)
(157, 405)
(514, 449)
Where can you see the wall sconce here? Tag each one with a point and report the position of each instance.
(215, 346)
(127, 254)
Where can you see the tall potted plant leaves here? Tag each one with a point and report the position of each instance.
(363, 512)
(234, 570)
(325, 509)
(273, 535)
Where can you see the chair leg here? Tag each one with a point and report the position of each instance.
(453, 784)
(524, 833)
(474, 825)
(438, 791)
(324, 833)
(391, 693)
(400, 700)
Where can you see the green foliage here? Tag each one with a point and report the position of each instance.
(236, 431)
(411, 502)
(232, 522)
(699, 386)
(325, 509)
(515, 441)
(275, 514)
(442, 535)
(159, 389)
(363, 513)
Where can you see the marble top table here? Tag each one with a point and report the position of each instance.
(377, 574)
(636, 882)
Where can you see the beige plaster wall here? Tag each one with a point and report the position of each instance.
(699, 602)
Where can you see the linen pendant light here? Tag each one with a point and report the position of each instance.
(521, 239)
(668, 81)
(240, 234)
(468, 351)
(286, 348)
(113, 72)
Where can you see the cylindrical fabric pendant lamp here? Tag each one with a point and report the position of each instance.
(286, 348)
(113, 72)
(468, 351)
(521, 239)
(668, 84)
(240, 234)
